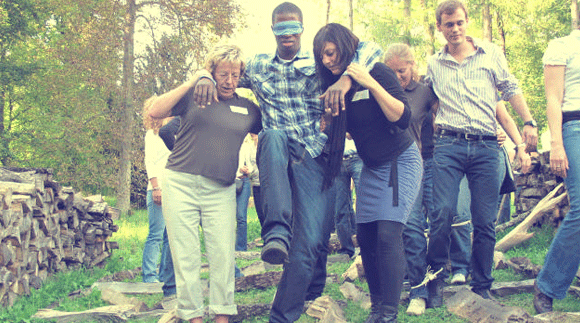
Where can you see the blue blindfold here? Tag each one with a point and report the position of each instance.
(290, 27)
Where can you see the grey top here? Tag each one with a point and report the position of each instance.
(208, 140)
(421, 98)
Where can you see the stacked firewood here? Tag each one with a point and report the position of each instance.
(535, 185)
(541, 199)
(46, 228)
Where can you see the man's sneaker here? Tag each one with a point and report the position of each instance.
(458, 279)
(484, 293)
(275, 252)
(416, 307)
(542, 302)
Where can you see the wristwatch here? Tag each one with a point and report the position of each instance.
(531, 123)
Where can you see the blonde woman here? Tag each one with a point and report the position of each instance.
(199, 184)
(156, 154)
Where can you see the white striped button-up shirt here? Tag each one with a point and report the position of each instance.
(468, 91)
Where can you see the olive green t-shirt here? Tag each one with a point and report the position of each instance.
(208, 140)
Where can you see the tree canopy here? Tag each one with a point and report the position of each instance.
(73, 76)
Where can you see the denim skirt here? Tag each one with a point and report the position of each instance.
(374, 200)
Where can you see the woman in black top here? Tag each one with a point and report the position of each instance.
(377, 116)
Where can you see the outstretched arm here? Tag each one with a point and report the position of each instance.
(161, 107)
(554, 84)
(530, 133)
(509, 125)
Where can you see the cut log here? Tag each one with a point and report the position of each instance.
(355, 294)
(560, 317)
(474, 308)
(18, 188)
(355, 270)
(115, 313)
(260, 281)
(520, 233)
(116, 298)
(326, 309)
(129, 288)
(246, 312)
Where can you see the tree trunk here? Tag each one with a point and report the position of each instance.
(429, 27)
(407, 15)
(327, 11)
(351, 14)
(127, 119)
(501, 31)
(574, 13)
(486, 20)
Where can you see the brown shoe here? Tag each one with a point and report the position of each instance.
(542, 302)
(275, 252)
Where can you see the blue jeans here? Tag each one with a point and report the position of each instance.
(479, 161)
(256, 192)
(460, 239)
(242, 215)
(153, 242)
(505, 209)
(344, 213)
(166, 273)
(297, 212)
(415, 243)
(563, 258)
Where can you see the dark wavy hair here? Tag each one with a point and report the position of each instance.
(346, 44)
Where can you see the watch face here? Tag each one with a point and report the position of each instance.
(531, 123)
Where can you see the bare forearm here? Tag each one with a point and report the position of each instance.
(519, 103)
(508, 124)
(161, 107)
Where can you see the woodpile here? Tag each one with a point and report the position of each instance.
(541, 198)
(46, 228)
(535, 185)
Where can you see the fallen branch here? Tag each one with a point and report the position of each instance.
(520, 233)
(514, 221)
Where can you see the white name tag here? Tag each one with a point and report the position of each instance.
(240, 110)
(361, 95)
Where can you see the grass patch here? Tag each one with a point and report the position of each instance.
(131, 237)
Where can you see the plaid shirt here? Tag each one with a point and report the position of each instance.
(288, 93)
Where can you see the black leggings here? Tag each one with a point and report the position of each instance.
(381, 248)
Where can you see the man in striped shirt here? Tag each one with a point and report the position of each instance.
(466, 76)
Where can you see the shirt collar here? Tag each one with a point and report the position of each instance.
(301, 54)
(476, 43)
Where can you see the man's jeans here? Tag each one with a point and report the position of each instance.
(479, 161)
(153, 242)
(297, 213)
(460, 239)
(414, 239)
(242, 215)
(166, 273)
(563, 258)
(504, 209)
(344, 213)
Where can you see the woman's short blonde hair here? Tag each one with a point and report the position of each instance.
(148, 122)
(405, 53)
(224, 53)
